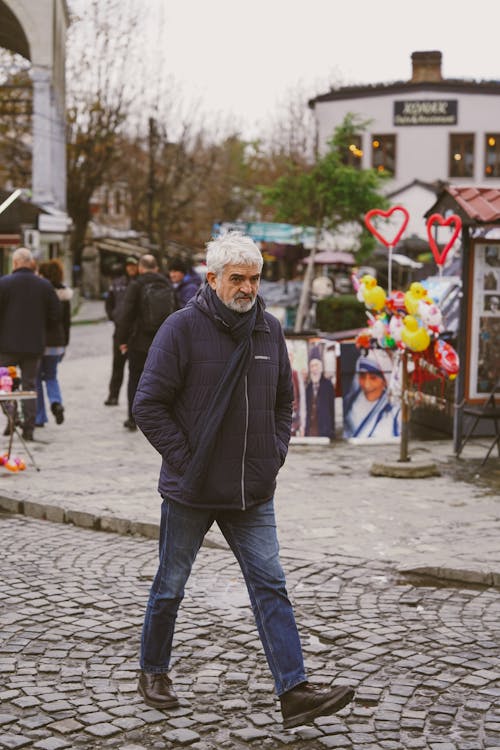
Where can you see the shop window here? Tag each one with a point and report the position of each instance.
(352, 157)
(462, 155)
(492, 155)
(384, 153)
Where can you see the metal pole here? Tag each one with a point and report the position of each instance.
(405, 410)
(462, 341)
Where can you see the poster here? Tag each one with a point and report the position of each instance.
(484, 338)
(370, 394)
(314, 363)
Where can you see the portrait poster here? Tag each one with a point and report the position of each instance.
(314, 366)
(370, 394)
(484, 321)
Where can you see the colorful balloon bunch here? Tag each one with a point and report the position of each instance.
(9, 379)
(410, 321)
(12, 463)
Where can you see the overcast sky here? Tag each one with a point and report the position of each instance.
(241, 58)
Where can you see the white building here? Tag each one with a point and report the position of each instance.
(426, 131)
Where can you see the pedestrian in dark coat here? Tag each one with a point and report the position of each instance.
(114, 310)
(215, 400)
(28, 307)
(134, 334)
(186, 283)
(57, 341)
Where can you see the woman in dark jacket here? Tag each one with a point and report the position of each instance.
(56, 343)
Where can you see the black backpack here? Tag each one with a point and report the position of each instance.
(158, 301)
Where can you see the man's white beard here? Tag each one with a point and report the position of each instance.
(241, 306)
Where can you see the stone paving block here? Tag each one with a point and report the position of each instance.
(182, 736)
(102, 730)
(335, 741)
(11, 741)
(7, 719)
(127, 723)
(52, 743)
(249, 734)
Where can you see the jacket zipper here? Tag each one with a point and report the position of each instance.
(243, 503)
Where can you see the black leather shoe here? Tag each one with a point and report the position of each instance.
(157, 690)
(304, 703)
(28, 435)
(130, 424)
(111, 401)
(57, 410)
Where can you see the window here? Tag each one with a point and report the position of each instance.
(118, 202)
(352, 157)
(492, 155)
(384, 153)
(462, 155)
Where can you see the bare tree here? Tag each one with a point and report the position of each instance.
(16, 101)
(102, 51)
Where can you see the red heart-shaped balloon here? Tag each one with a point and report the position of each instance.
(453, 220)
(386, 215)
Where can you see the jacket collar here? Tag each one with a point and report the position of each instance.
(200, 301)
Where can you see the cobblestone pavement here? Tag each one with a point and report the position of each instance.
(424, 659)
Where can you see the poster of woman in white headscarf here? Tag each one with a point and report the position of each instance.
(370, 408)
(313, 364)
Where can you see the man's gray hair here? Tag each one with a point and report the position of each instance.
(22, 258)
(232, 248)
(148, 262)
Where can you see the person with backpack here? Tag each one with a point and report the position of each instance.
(150, 298)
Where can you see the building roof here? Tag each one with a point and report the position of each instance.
(447, 86)
(475, 205)
(426, 76)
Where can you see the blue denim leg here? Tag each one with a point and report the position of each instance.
(47, 373)
(251, 534)
(50, 363)
(182, 531)
(41, 414)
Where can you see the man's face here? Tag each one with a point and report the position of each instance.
(176, 276)
(236, 286)
(372, 385)
(131, 269)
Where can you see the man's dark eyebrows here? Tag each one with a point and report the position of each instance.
(240, 277)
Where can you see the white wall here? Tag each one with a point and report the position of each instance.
(422, 152)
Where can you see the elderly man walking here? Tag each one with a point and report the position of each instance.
(28, 307)
(215, 400)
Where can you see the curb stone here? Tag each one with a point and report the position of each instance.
(125, 527)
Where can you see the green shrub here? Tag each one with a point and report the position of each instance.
(341, 313)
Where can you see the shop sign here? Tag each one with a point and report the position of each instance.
(426, 112)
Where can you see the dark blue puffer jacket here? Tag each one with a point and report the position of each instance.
(184, 364)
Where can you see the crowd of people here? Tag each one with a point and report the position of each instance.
(34, 332)
(137, 302)
(35, 323)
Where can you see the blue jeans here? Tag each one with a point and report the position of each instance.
(251, 535)
(47, 372)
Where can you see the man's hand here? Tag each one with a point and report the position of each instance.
(123, 348)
